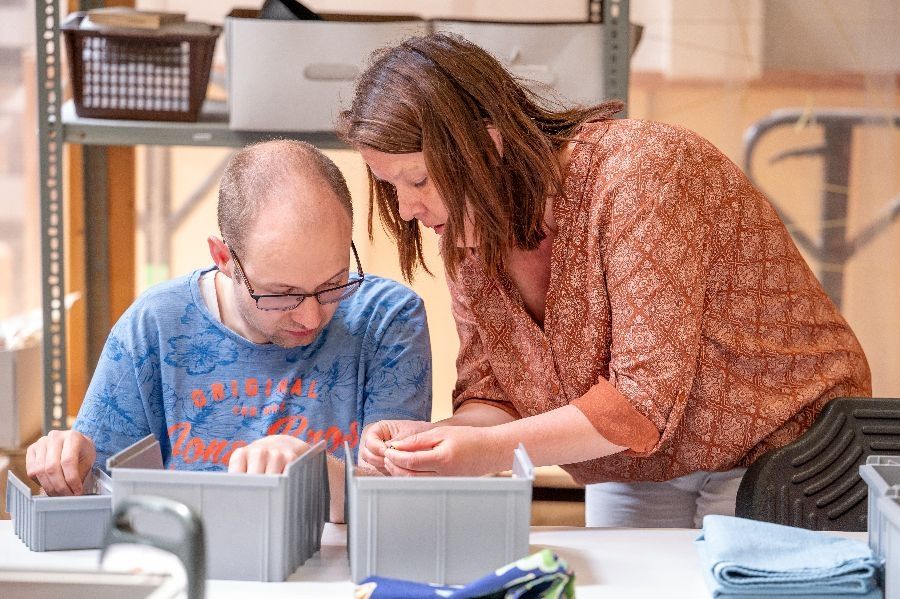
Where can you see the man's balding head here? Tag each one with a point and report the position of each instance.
(303, 182)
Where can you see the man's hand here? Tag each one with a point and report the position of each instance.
(60, 462)
(448, 451)
(376, 436)
(268, 455)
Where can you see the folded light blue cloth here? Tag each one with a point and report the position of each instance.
(744, 558)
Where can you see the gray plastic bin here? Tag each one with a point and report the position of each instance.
(880, 474)
(446, 530)
(51, 523)
(889, 508)
(259, 527)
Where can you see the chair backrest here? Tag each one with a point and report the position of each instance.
(814, 482)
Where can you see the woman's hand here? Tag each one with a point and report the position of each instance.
(448, 451)
(377, 436)
(269, 455)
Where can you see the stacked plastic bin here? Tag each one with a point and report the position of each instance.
(882, 475)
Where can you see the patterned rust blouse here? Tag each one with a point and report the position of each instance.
(673, 278)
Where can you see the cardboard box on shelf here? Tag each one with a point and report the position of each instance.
(21, 394)
(119, 16)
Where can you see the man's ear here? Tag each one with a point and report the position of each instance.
(498, 140)
(218, 251)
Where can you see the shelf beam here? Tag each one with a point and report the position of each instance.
(210, 130)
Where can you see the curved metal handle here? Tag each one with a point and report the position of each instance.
(190, 549)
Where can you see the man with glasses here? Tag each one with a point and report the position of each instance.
(243, 365)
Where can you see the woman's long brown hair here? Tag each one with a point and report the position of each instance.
(437, 94)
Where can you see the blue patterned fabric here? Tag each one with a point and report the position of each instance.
(170, 368)
(542, 575)
(743, 558)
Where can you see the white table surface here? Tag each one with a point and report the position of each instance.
(620, 563)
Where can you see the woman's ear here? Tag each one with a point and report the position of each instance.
(498, 140)
(218, 251)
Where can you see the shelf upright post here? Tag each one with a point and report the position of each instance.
(50, 140)
(618, 49)
(96, 250)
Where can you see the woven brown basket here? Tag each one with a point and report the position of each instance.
(135, 74)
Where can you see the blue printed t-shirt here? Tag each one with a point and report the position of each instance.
(170, 368)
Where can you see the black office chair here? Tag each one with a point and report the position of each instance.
(814, 482)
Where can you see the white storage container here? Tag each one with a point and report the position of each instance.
(295, 75)
(446, 530)
(21, 395)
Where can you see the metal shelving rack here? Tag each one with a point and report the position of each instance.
(58, 124)
(49, 88)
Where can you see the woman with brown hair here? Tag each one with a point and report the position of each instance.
(628, 305)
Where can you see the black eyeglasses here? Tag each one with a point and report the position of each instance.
(289, 301)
